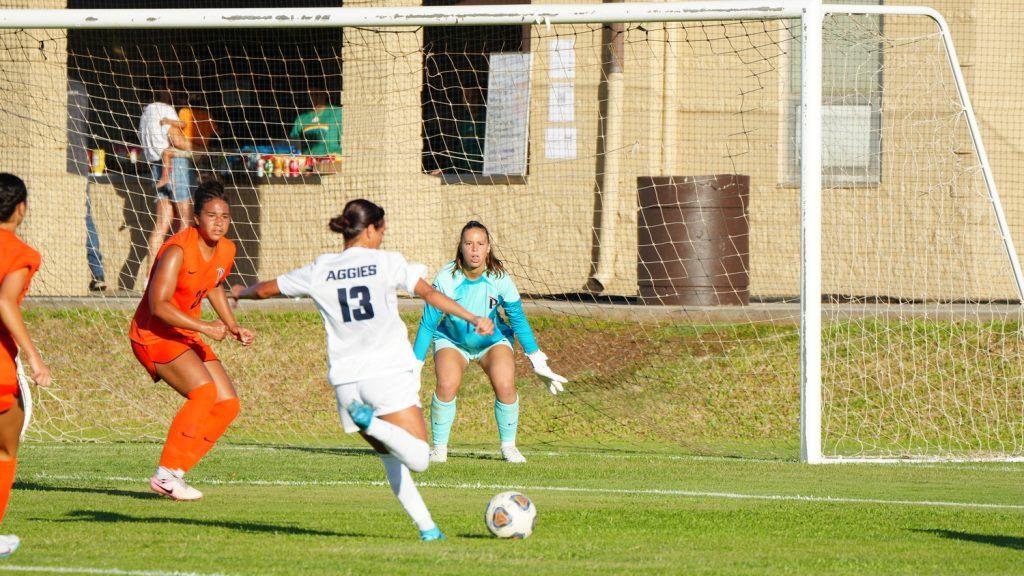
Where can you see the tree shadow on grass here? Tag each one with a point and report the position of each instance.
(33, 486)
(1011, 542)
(251, 527)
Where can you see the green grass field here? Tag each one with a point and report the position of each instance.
(85, 508)
(672, 452)
(891, 388)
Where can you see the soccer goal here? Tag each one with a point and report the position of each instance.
(749, 228)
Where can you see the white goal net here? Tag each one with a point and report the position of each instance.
(643, 185)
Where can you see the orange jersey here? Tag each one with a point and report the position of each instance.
(14, 255)
(196, 277)
(199, 127)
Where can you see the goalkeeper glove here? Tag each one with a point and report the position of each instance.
(540, 366)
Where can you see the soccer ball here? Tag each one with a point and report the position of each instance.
(510, 515)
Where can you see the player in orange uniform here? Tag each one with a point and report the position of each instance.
(190, 266)
(18, 263)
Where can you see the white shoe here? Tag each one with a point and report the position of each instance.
(8, 544)
(513, 455)
(174, 488)
(439, 454)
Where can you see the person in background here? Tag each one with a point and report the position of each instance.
(471, 123)
(98, 280)
(198, 126)
(79, 126)
(319, 129)
(155, 136)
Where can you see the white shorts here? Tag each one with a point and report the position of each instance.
(385, 394)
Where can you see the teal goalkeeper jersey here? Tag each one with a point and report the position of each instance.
(481, 297)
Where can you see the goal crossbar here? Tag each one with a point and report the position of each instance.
(542, 14)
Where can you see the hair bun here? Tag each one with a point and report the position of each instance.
(355, 217)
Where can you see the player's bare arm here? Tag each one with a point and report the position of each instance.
(219, 300)
(161, 290)
(10, 315)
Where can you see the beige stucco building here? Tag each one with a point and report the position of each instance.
(699, 99)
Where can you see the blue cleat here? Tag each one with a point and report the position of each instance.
(361, 414)
(432, 534)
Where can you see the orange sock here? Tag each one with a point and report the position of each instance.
(186, 427)
(6, 481)
(217, 422)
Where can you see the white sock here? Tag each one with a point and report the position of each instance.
(412, 451)
(403, 487)
(167, 473)
(511, 444)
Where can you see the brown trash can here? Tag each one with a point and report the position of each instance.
(693, 240)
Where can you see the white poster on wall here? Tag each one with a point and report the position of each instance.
(508, 113)
(560, 143)
(563, 59)
(561, 102)
(560, 134)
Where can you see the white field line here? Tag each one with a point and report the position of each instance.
(85, 570)
(570, 489)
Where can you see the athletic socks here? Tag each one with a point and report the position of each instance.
(507, 418)
(7, 468)
(412, 451)
(442, 416)
(186, 428)
(217, 421)
(401, 484)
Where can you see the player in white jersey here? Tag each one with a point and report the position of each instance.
(370, 361)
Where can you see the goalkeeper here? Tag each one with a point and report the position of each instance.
(478, 281)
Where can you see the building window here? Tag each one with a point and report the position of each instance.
(851, 103)
(476, 83)
(253, 82)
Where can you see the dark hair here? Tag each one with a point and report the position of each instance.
(163, 92)
(319, 96)
(196, 100)
(494, 266)
(356, 217)
(207, 191)
(12, 193)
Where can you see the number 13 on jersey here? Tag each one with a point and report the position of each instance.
(355, 303)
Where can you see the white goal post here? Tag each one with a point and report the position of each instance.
(811, 14)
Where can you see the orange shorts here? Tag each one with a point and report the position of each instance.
(166, 350)
(9, 396)
(9, 390)
(8, 374)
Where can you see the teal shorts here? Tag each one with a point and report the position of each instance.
(442, 343)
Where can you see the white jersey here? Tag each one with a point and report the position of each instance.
(153, 135)
(355, 294)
